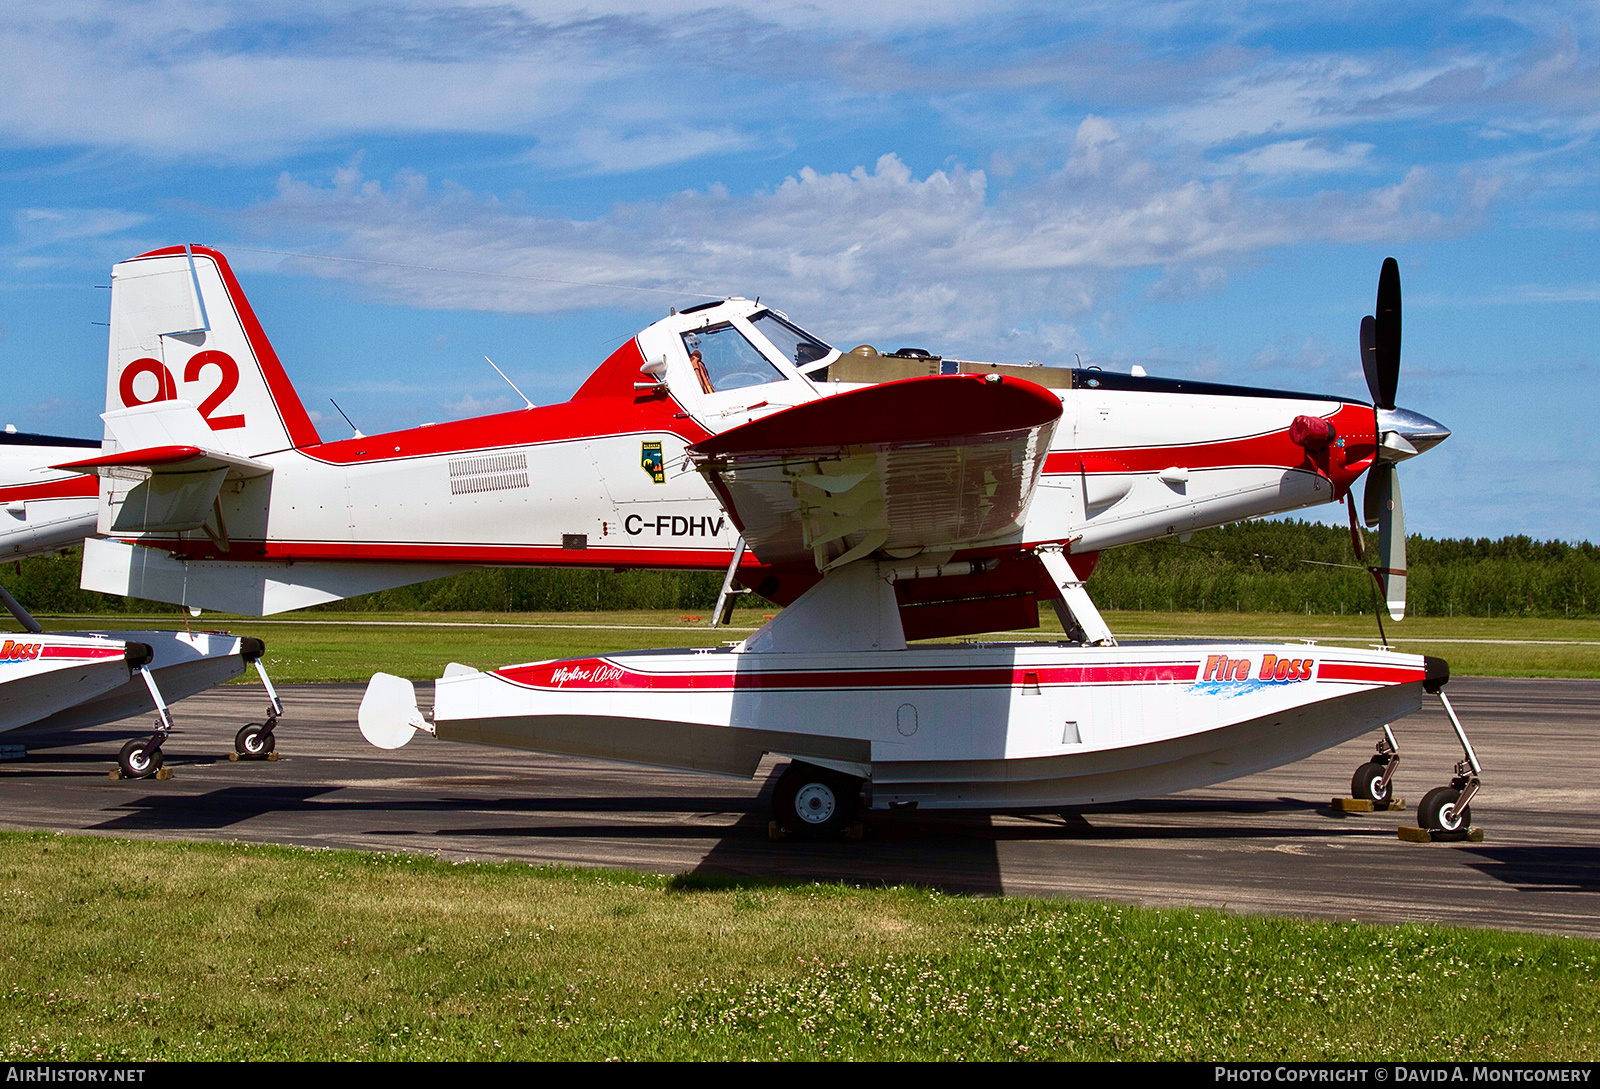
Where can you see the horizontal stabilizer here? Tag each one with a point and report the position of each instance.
(173, 422)
(173, 460)
(250, 588)
(160, 471)
(924, 464)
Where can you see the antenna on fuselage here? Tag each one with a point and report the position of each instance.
(353, 427)
(510, 383)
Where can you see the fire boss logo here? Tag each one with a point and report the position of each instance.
(19, 652)
(1219, 667)
(650, 458)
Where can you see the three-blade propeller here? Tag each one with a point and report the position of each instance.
(1380, 359)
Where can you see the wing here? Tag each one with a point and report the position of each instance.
(930, 464)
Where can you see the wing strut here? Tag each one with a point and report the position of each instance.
(1072, 605)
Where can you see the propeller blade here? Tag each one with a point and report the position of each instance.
(1383, 491)
(1358, 540)
(1386, 337)
(1369, 356)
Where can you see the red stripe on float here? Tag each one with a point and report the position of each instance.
(593, 673)
(1367, 674)
(82, 652)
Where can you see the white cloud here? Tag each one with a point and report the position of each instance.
(1180, 283)
(598, 149)
(45, 226)
(860, 254)
(629, 84)
(1308, 156)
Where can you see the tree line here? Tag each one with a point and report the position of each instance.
(1279, 566)
(1298, 566)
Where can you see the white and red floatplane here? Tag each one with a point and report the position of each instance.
(893, 491)
(881, 498)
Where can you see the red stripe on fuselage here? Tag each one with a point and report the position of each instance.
(1353, 423)
(445, 553)
(597, 417)
(72, 487)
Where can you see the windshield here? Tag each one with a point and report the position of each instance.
(723, 359)
(795, 345)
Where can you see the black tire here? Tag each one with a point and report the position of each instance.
(253, 742)
(139, 759)
(814, 802)
(1438, 811)
(1368, 783)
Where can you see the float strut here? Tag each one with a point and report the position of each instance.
(1072, 604)
(1466, 783)
(728, 595)
(274, 704)
(1388, 748)
(163, 715)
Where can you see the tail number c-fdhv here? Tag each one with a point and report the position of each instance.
(674, 525)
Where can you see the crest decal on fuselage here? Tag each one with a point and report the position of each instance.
(650, 458)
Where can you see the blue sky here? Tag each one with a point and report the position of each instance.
(1203, 189)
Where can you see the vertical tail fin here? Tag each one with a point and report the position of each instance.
(181, 329)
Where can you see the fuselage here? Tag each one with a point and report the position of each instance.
(603, 479)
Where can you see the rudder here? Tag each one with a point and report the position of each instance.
(181, 328)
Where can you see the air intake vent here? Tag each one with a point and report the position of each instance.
(490, 473)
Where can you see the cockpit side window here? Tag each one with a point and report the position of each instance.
(723, 359)
(799, 347)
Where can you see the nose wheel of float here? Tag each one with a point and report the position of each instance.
(256, 740)
(1374, 781)
(1446, 812)
(141, 758)
(1443, 811)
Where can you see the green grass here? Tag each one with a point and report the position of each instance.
(352, 646)
(129, 951)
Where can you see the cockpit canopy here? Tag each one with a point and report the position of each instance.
(724, 358)
(735, 359)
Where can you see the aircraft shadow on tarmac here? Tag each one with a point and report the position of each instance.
(233, 805)
(1541, 869)
(954, 851)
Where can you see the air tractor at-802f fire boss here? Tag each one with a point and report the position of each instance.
(880, 499)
